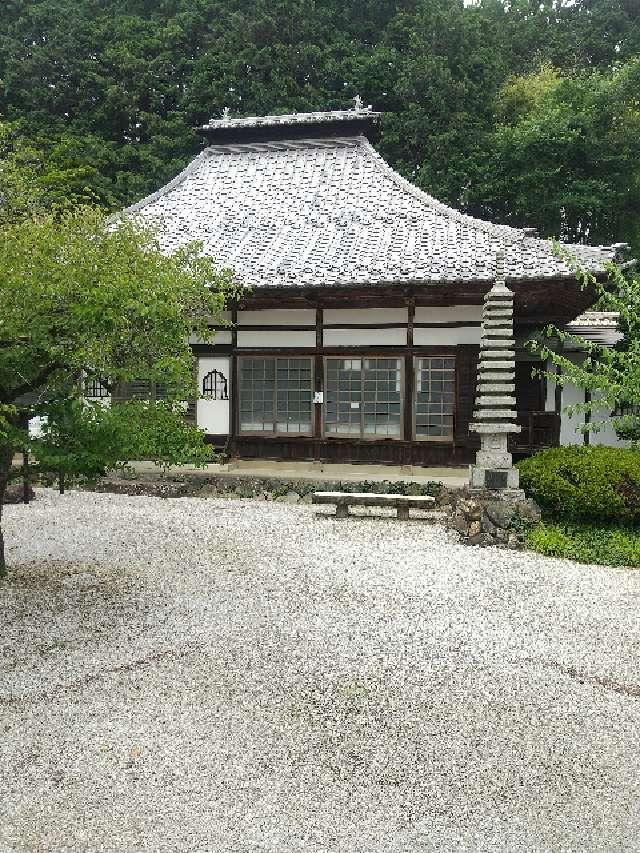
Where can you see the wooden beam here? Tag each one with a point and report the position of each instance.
(409, 379)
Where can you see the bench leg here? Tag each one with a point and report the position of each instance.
(342, 511)
(403, 513)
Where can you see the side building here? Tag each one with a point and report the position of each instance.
(358, 335)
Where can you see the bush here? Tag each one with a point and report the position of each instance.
(611, 546)
(585, 483)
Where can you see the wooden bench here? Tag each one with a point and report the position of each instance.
(343, 500)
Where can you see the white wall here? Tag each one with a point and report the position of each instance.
(447, 335)
(449, 314)
(214, 415)
(265, 337)
(332, 316)
(365, 337)
(278, 317)
(221, 337)
(568, 434)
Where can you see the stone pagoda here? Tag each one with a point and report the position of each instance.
(495, 412)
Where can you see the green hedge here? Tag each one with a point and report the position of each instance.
(597, 484)
(611, 545)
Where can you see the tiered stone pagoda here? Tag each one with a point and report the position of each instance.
(495, 413)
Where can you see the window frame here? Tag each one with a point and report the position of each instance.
(364, 436)
(438, 439)
(91, 383)
(241, 433)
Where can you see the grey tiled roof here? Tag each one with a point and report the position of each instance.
(593, 319)
(329, 212)
(598, 326)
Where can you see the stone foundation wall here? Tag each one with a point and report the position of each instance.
(490, 518)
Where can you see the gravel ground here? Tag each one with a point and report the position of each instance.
(235, 676)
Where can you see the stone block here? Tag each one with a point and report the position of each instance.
(488, 355)
(496, 329)
(500, 339)
(479, 477)
(497, 302)
(495, 414)
(487, 375)
(493, 459)
(494, 428)
(496, 387)
(495, 401)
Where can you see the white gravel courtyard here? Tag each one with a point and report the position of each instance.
(239, 676)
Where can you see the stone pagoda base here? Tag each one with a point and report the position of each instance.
(493, 478)
(494, 466)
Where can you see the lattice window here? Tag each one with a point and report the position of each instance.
(435, 398)
(215, 385)
(95, 390)
(276, 395)
(141, 389)
(363, 397)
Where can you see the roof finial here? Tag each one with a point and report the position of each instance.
(358, 103)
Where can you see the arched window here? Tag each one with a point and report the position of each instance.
(215, 386)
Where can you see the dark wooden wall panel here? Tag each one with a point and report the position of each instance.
(466, 377)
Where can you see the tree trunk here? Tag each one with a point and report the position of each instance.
(6, 457)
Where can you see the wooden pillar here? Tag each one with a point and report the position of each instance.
(26, 481)
(234, 391)
(558, 392)
(586, 436)
(318, 369)
(409, 380)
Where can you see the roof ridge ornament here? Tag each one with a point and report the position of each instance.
(359, 107)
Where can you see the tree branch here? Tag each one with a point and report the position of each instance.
(30, 385)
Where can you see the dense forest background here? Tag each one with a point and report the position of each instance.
(522, 112)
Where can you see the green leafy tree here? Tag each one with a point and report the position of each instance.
(564, 155)
(610, 374)
(83, 299)
(109, 92)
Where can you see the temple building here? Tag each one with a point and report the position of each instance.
(358, 335)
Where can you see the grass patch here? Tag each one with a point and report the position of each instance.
(610, 545)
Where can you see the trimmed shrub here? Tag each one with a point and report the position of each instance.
(611, 546)
(583, 483)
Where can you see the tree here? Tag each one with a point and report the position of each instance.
(84, 299)
(610, 374)
(564, 155)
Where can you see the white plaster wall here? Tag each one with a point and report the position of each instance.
(446, 336)
(451, 314)
(365, 337)
(278, 317)
(213, 416)
(36, 426)
(568, 424)
(607, 434)
(365, 315)
(221, 337)
(261, 337)
(568, 435)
